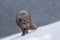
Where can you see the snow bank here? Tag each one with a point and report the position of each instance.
(48, 32)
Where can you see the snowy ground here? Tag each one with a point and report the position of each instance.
(48, 32)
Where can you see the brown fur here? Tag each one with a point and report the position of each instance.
(23, 20)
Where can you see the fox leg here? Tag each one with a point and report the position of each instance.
(24, 31)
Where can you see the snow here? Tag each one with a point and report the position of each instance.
(47, 32)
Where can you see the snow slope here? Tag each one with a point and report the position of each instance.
(48, 32)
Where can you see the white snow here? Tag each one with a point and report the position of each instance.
(47, 32)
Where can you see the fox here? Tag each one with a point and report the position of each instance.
(23, 20)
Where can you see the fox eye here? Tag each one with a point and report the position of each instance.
(20, 19)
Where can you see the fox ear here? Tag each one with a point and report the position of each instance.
(20, 20)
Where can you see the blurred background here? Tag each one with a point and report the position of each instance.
(43, 12)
